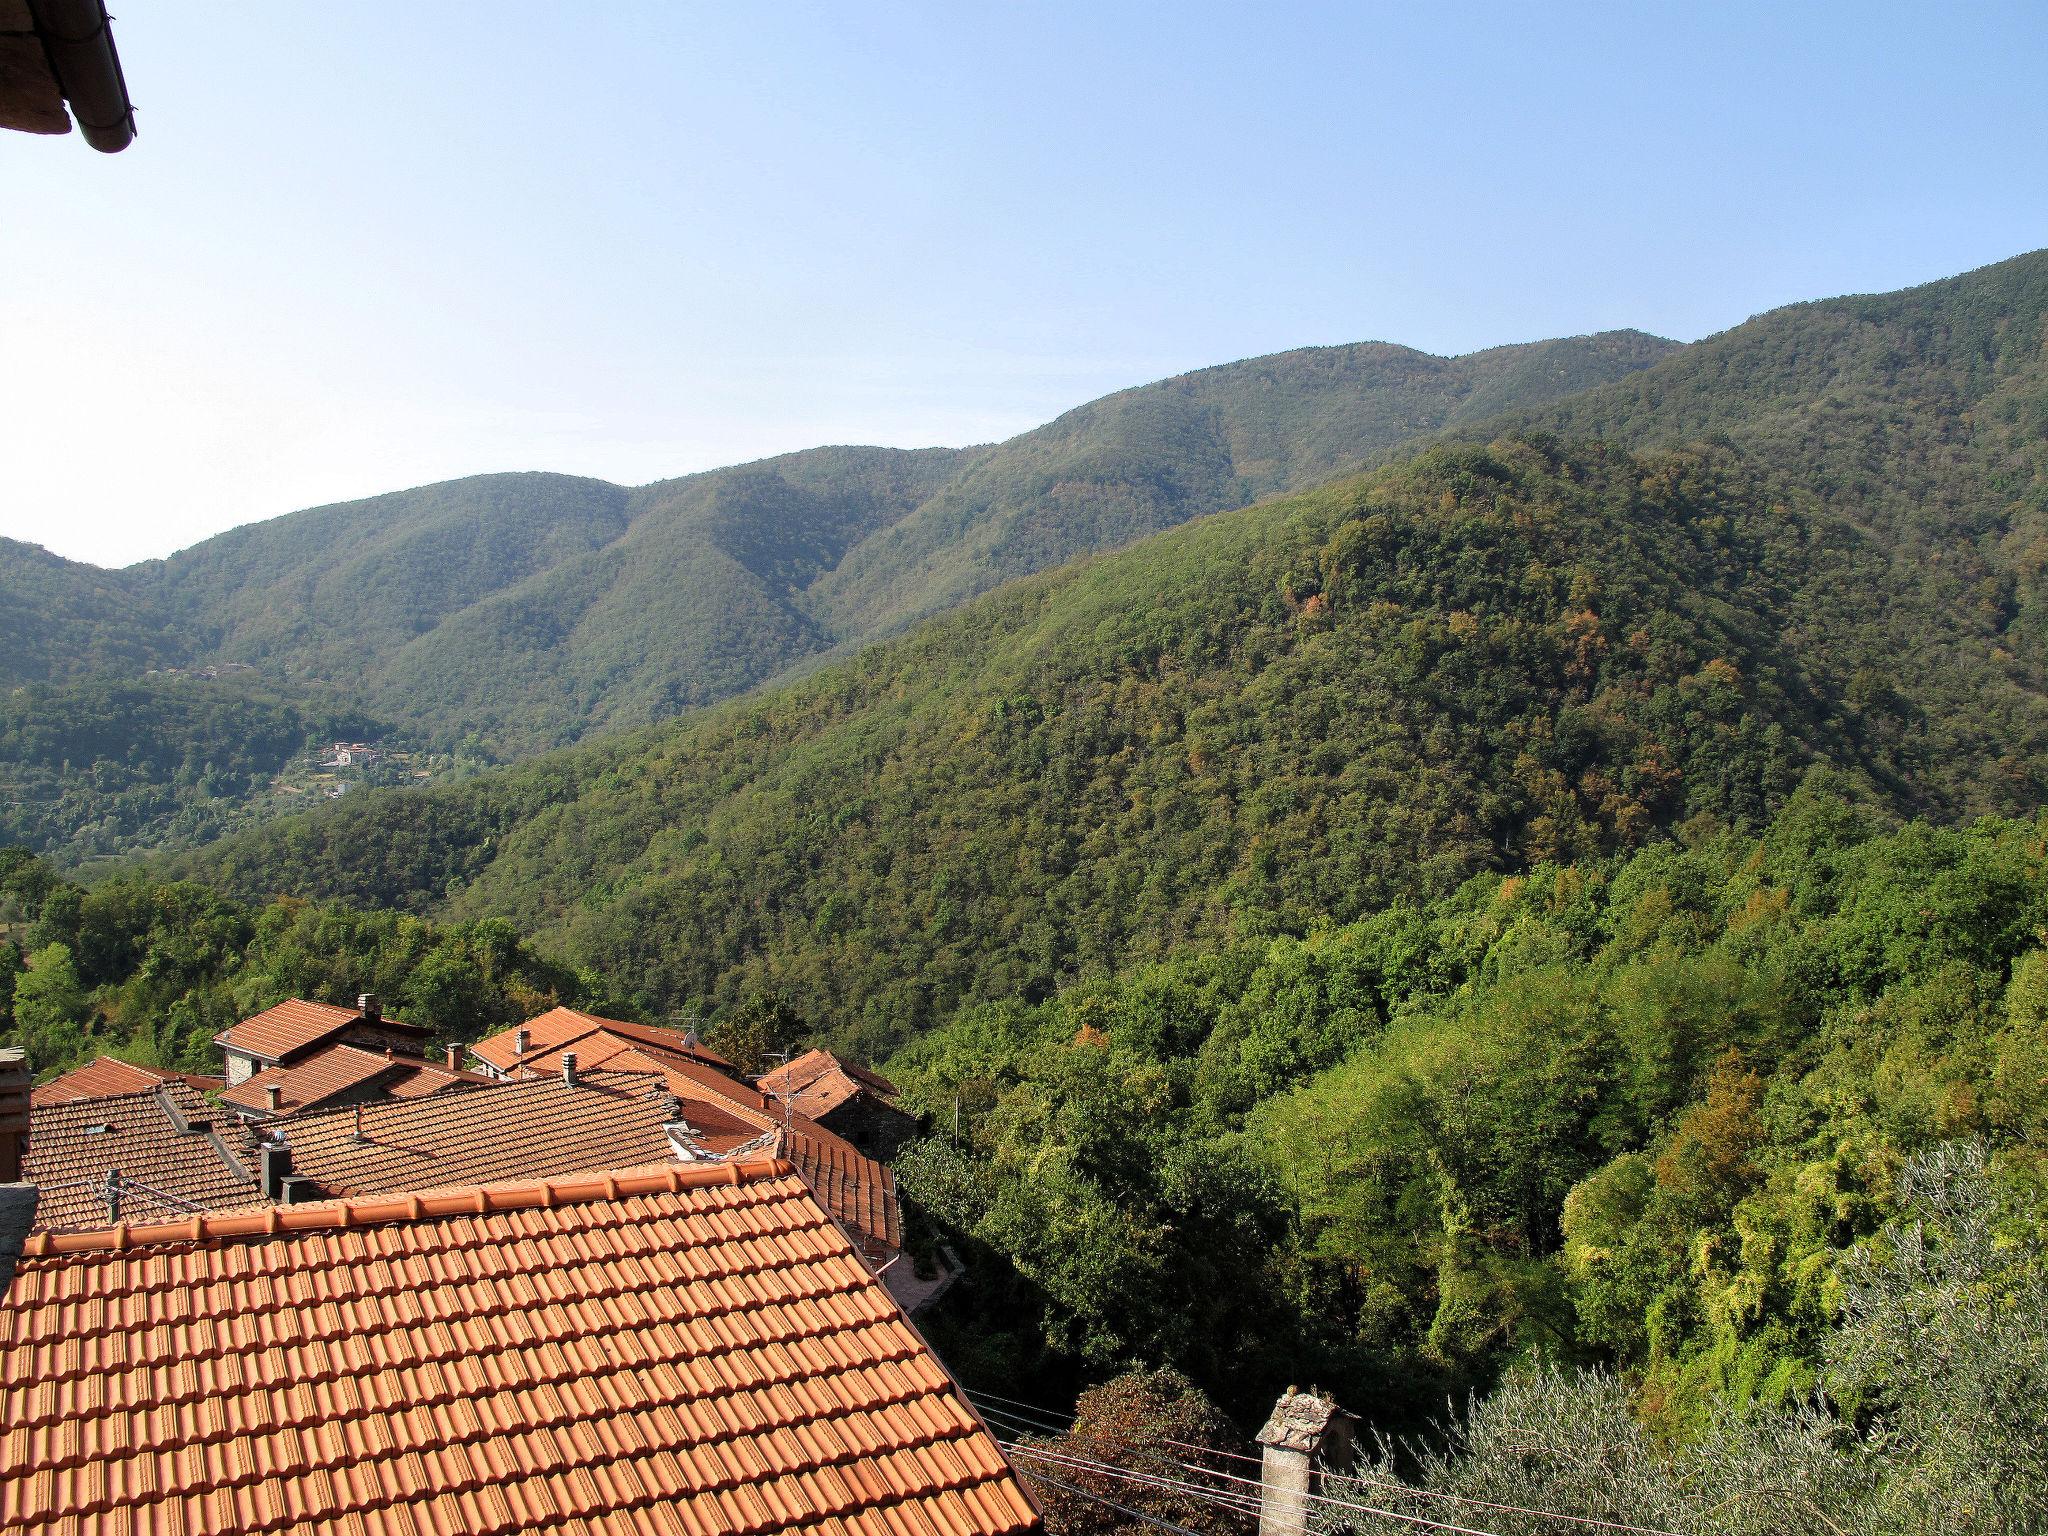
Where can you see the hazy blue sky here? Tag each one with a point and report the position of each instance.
(357, 248)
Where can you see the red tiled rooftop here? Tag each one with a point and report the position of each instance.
(696, 1350)
(818, 1082)
(311, 1080)
(539, 1129)
(107, 1075)
(420, 1078)
(603, 1047)
(334, 1069)
(859, 1191)
(561, 1027)
(174, 1151)
(292, 1025)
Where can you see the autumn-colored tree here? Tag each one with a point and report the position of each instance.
(1155, 1424)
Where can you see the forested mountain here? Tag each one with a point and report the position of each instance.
(61, 620)
(105, 768)
(1564, 907)
(1920, 416)
(1146, 459)
(1547, 648)
(532, 609)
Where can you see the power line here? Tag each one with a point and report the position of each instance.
(1250, 1506)
(1208, 1450)
(1367, 1479)
(1244, 1503)
(1036, 1426)
(1005, 1421)
(1455, 1498)
(1018, 1401)
(1122, 1509)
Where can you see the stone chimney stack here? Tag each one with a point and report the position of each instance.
(273, 1167)
(568, 1069)
(273, 1095)
(1307, 1437)
(368, 1006)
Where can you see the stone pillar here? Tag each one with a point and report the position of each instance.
(1307, 1435)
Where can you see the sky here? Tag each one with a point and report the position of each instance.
(355, 249)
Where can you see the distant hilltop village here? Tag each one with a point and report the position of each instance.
(212, 673)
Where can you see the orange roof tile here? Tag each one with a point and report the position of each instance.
(600, 1048)
(560, 1027)
(695, 1350)
(818, 1082)
(422, 1078)
(312, 1080)
(291, 1025)
(539, 1129)
(334, 1069)
(174, 1152)
(859, 1191)
(106, 1075)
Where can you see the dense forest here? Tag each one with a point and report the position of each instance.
(1745, 1125)
(1479, 657)
(1474, 660)
(151, 971)
(1692, 1150)
(97, 769)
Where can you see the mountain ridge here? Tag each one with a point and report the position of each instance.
(528, 609)
(1547, 647)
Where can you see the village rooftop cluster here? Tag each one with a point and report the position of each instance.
(585, 1275)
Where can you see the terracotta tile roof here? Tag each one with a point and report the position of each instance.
(540, 1129)
(695, 1351)
(537, 1128)
(312, 1080)
(560, 1027)
(602, 1047)
(105, 1075)
(859, 1191)
(290, 1026)
(331, 1070)
(423, 1078)
(818, 1082)
(173, 1149)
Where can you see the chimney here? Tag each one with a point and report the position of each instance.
(273, 1167)
(368, 1006)
(521, 1038)
(568, 1069)
(1307, 1437)
(454, 1058)
(273, 1095)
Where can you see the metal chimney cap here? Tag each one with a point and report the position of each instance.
(568, 1069)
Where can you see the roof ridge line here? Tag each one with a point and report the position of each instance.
(382, 1210)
